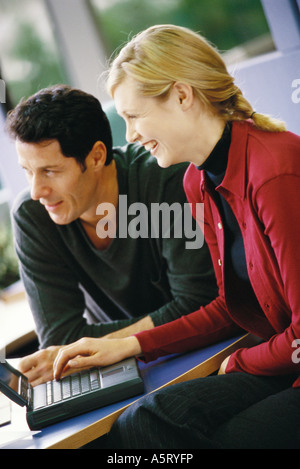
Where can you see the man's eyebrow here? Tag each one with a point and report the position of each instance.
(50, 166)
(47, 166)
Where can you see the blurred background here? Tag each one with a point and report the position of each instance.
(33, 55)
(43, 42)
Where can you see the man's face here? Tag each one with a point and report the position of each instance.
(58, 182)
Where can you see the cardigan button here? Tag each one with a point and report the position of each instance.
(251, 266)
(220, 225)
(219, 262)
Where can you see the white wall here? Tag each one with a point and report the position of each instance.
(271, 82)
(12, 175)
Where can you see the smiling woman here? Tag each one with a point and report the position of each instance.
(150, 125)
(245, 170)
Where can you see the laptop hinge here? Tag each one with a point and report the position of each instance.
(29, 395)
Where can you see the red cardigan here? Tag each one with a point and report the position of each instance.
(262, 186)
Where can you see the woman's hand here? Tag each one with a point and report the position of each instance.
(88, 352)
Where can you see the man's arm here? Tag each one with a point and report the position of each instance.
(184, 268)
(142, 325)
(52, 285)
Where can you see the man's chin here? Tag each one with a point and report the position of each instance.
(59, 220)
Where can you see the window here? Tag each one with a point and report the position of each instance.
(227, 24)
(29, 57)
(29, 60)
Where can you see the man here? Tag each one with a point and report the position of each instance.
(91, 260)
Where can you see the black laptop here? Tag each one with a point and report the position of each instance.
(72, 395)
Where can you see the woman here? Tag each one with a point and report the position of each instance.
(178, 100)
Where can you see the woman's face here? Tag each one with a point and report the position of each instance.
(175, 130)
(167, 128)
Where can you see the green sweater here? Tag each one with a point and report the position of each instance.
(75, 290)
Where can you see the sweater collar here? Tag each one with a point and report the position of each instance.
(216, 163)
(234, 180)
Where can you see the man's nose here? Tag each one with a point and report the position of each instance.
(38, 188)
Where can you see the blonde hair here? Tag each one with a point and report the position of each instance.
(164, 54)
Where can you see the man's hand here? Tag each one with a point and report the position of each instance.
(38, 367)
(222, 370)
(88, 352)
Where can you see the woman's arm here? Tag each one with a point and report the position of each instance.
(277, 204)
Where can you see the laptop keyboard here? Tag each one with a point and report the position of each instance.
(67, 387)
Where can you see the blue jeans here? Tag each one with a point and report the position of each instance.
(236, 410)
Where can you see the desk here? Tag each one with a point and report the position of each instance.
(78, 431)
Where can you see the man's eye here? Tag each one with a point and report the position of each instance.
(49, 172)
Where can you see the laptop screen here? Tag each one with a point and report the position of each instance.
(11, 384)
(8, 377)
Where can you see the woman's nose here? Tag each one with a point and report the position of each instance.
(131, 134)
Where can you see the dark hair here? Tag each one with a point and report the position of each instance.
(71, 116)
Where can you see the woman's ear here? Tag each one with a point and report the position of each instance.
(184, 95)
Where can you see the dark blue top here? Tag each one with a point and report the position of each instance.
(215, 167)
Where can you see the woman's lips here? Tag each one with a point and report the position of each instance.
(153, 149)
(151, 146)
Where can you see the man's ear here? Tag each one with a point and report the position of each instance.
(184, 95)
(98, 155)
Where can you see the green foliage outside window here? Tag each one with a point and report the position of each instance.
(226, 23)
(30, 58)
(44, 67)
(8, 261)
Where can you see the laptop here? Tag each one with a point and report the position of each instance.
(72, 395)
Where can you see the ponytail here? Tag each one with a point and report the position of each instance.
(237, 108)
(268, 123)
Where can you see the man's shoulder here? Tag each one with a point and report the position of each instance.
(23, 199)
(137, 160)
(25, 208)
